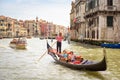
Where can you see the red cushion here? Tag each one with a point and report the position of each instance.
(76, 62)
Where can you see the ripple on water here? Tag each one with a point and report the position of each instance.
(24, 64)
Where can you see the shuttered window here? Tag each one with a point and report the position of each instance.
(109, 2)
(109, 21)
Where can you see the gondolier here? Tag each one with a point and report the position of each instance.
(59, 39)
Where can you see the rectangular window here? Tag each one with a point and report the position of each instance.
(86, 7)
(110, 2)
(97, 2)
(98, 21)
(97, 34)
(93, 4)
(109, 21)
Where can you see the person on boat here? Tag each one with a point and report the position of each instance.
(78, 60)
(64, 56)
(14, 41)
(71, 56)
(23, 41)
(59, 39)
(73, 59)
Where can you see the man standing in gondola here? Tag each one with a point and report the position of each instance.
(59, 39)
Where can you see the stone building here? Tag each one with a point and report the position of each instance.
(3, 26)
(72, 21)
(80, 21)
(77, 21)
(43, 26)
(23, 30)
(16, 28)
(51, 29)
(6, 26)
(10, 27)
(28, 24)
(103, 20)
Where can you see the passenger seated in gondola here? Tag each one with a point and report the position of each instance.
(19, 41)
(23, 41)
(73, 59)
(78, 60)
(71, 56)
(64, 56)
(14, 41)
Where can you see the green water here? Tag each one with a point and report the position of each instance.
(96, 53)
(24, 64)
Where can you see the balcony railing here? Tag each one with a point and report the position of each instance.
(101, 8)
(110, 8)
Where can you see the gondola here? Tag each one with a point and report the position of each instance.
(85, 65)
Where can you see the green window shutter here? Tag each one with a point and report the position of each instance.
(109, 21)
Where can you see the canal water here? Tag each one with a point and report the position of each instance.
(25, 64)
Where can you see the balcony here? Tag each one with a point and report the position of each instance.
(110, 8)
(105, 8)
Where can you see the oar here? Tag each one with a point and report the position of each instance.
(45, 52)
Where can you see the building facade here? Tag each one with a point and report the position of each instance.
(10, 27)
(103, 20)
(72, 21)
(77, 21)
(29, 25)
(97, 19)
(80, 21)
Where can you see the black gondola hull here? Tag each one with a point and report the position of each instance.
(94, 66)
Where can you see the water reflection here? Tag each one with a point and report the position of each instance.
(24, 64)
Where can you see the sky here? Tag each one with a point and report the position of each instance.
(56, 11)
